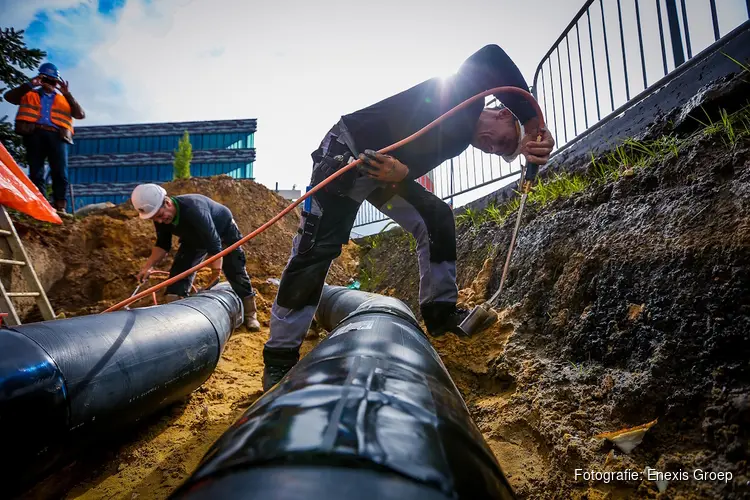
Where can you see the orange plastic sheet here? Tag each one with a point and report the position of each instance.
(18, 192)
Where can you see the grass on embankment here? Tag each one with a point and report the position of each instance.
(624, 161)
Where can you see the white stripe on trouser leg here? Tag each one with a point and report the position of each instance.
(437, 280)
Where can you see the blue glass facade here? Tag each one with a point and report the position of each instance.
(155, 173)
(106, 162)
(201, 142)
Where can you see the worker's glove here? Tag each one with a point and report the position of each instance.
(326, 166)
(384, 168)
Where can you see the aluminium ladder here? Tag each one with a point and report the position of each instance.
(14, 254)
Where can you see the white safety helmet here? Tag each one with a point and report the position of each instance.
(148, 199)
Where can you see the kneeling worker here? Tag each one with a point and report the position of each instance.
(204, 227)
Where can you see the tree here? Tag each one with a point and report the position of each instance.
(14, 57)
(182, 157)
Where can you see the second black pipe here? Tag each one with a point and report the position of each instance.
(370, 413)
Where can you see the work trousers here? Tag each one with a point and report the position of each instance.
(326, 227)
(233, 266)
(47, 145)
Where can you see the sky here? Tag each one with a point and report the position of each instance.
(298, 65)
(295, 65)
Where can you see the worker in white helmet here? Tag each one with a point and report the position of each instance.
(204, 227)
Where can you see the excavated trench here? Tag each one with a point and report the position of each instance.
(626, 303)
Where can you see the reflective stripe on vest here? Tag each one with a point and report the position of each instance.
(28, 112)
(31, 105)
(61, 119)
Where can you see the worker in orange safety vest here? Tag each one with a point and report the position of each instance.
(46, 110)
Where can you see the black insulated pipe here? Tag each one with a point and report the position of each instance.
(64, 383)
(370, 413)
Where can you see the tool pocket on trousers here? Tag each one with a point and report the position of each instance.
(308, 229)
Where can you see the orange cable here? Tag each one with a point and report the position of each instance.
(328, 180)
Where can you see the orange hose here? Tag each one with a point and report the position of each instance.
(158, 272)
(328, 180)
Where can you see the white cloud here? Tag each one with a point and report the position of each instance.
(295, 65)
(19, 13)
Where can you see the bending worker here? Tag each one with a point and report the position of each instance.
(204, 227)
(388, 182)
(46, 109)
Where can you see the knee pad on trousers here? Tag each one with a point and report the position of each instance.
(303, 279)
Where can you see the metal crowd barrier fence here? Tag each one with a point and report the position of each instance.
(610, 51)
(614, 49)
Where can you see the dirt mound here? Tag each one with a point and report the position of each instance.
(627, 303)
(89, 263)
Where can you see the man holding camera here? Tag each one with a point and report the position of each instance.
(46, 110)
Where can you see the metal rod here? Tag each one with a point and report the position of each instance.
(440, 180)
(715, 19)
(12, 262)
(606, 54)
(22, 294)
(544, 93)
(446, 181)
(466, 166)
(474, 163)
(452, 186)
(624, 57)
(661, 37)
(593, 66)
(572, 94)
(458, 173)
(481, 160)
(674, 32)
(458, 183)
(562, 95)
(687, 29)
(640, 43)
(3, 232)
(583, 82)
(554, 102)
(510, 248)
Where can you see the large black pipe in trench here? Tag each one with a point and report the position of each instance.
(64, 383)
(370, 413)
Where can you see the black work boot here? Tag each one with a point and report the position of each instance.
(443, 317)
(277, 363)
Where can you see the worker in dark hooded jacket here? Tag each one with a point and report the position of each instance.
(204, 227)
(389, 183)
